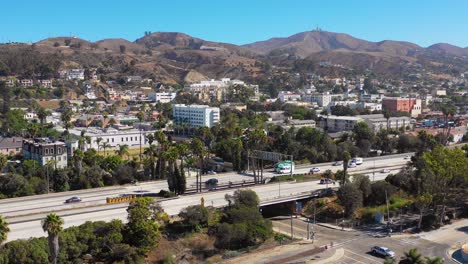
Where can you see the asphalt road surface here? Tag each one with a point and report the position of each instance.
(25, 214)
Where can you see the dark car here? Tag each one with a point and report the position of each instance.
(326, 181)
(211, 181)
(74, 199)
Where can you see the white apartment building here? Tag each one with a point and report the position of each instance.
(375, 122)
(196, 115)
(379, 122)
(322, 100)
(288, 96)
(334, 124)
(77, 74)
(114, 137)
(46, 151)
(163, 97)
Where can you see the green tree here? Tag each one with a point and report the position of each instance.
(123, 151)
(141, 116)
(53, 225)
(14, 122)
(422, 202)
(198, 149)
(363, 183)
(3, 162)
(4, 229)
(195, 216)
(346, 158)
(142, 231)
(105, 146)
(434, 260)
(42, 114)
(350, 197)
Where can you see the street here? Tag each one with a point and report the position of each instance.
(356, 244)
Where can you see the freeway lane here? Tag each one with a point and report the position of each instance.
(55, 202)
(30, 226)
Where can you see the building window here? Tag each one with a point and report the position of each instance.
(59, 151)
(112, 140)
(51, 151)
(107, 140)
(59, 159)
(46, 151)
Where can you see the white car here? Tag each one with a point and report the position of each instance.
(407, 157)
(314, 170)
(385, 171)
(352, 165)
(211, 172)
(382, 251)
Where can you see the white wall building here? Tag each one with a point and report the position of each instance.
(288, 96)
(77, 74)
(196, 115)
(322, 100)
(114, 137)
(163, 97)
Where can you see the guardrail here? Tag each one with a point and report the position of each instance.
(112, 200)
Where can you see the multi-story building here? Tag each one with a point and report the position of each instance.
(45, 83)
(215, 89)
(376, 122)
(379, 122)
(195, 115)
(26, 83)
(288, 96)
(114, 137)
(46, 151)
(163, 97)
(11, 146)
(409, 105)
(322, 100)
(334, 124)
(76, 74)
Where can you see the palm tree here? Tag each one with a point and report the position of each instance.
(122, 151)
(140, 115)
(4, 229)
(434, 260)
(413, 257)
(42, 114)
(346, 158)
(104, 146)
(389, 261)
(198, 149)
(387, 114)
(53, 225)
(98, 141)
(171, 156)
(150, 152)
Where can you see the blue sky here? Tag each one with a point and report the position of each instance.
(424, 22)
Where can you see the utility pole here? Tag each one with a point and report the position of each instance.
(388, 211)
(292, 231)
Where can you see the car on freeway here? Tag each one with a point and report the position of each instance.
(211, 172)
(74, 199)
(314, 170)
(352, 165)
(337, 163)
(385, 171)
(326, 181)
(211, 181)
(407, 157)
(382, 251)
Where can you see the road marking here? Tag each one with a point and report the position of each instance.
(362, 256)
(348, 257)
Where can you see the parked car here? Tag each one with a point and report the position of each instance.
(385, 171)
(74, 199)
(211, 181)
(382, 251)
(352, 165)
(326, 181)
(314, 170)
(337, 163)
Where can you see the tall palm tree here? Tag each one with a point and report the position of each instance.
(42, 114)
(98, 141)
(4, 229)
(413, 257)
(387, 114)
(198, 149)
(122, 151)
(140, 115)
(151, 152)
(105, 146)
(53, 225)
(171, 156)
(434, 260)
(346, 158)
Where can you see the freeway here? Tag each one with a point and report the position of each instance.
(25, 213)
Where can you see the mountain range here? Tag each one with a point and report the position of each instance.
(178, 58)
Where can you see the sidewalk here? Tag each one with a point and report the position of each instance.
(335, 227)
